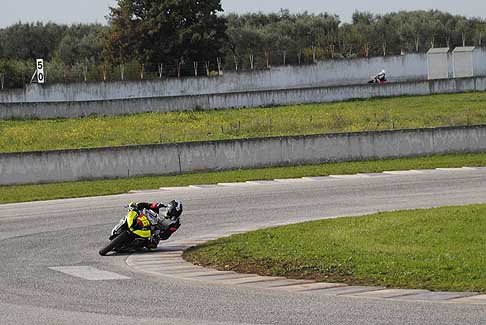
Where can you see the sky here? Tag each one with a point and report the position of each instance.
(92, 11)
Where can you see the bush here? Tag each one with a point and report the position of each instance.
(15, 73)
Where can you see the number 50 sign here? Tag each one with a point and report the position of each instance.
(40, 71)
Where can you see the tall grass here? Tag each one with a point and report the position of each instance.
(367, 115)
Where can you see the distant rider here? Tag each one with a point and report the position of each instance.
(144, 221)
(381, 77)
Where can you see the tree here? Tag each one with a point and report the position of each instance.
(166, 31)
(364, 29)
(479, 31)
(82, 43)
(464, 29)
(31, 41)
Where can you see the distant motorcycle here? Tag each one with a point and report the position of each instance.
(380, 78)
(123, 240)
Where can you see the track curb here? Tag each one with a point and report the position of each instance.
(168, 262)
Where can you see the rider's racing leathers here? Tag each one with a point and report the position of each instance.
(141, 218)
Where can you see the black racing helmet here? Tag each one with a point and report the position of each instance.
(174, 209)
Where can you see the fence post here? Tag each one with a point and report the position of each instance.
(251, 60)
(161, 70)
(2, 79)
(142, 71)
(195, 68)
(267, 59)
(220, 72)
(236, 62)
(104, 72)
(122, 71)
(207, 68)
(85, 72)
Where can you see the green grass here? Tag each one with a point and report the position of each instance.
(10, 194)
(365, 115)
(436, 249)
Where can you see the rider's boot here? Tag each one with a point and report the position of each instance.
(153, 242)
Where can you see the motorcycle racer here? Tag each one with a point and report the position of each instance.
(144, 226)
(380, 78)
(144, 221)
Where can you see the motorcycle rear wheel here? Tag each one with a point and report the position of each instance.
(115, 243)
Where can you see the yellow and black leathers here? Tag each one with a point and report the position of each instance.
(138, 223)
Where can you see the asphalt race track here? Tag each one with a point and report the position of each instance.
(50, 271)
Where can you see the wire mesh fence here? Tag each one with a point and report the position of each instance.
(17, 73)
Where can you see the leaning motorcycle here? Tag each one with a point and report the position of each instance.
(377, 81)
(123, 240)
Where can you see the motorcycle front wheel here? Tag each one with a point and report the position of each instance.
(115, 243)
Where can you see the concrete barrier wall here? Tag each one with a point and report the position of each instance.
(89, 164)
(238, 99)
(324, 73)
(479, 62)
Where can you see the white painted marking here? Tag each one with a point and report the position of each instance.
(176, 188)
(319, 178)
(292, 180)
(389, 293)
(89, 273)
(262, 182)
(403, 172)
(476, 168)
(453, 169)
(234, 184)
(314, 286)
(350, 176)
(316, 178)
(374, 174)
(143, 191)
(201, 186)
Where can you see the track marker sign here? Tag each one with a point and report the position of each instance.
(40, 71)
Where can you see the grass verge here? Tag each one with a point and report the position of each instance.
(24, 193)
(437, 249)
(352, 116)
